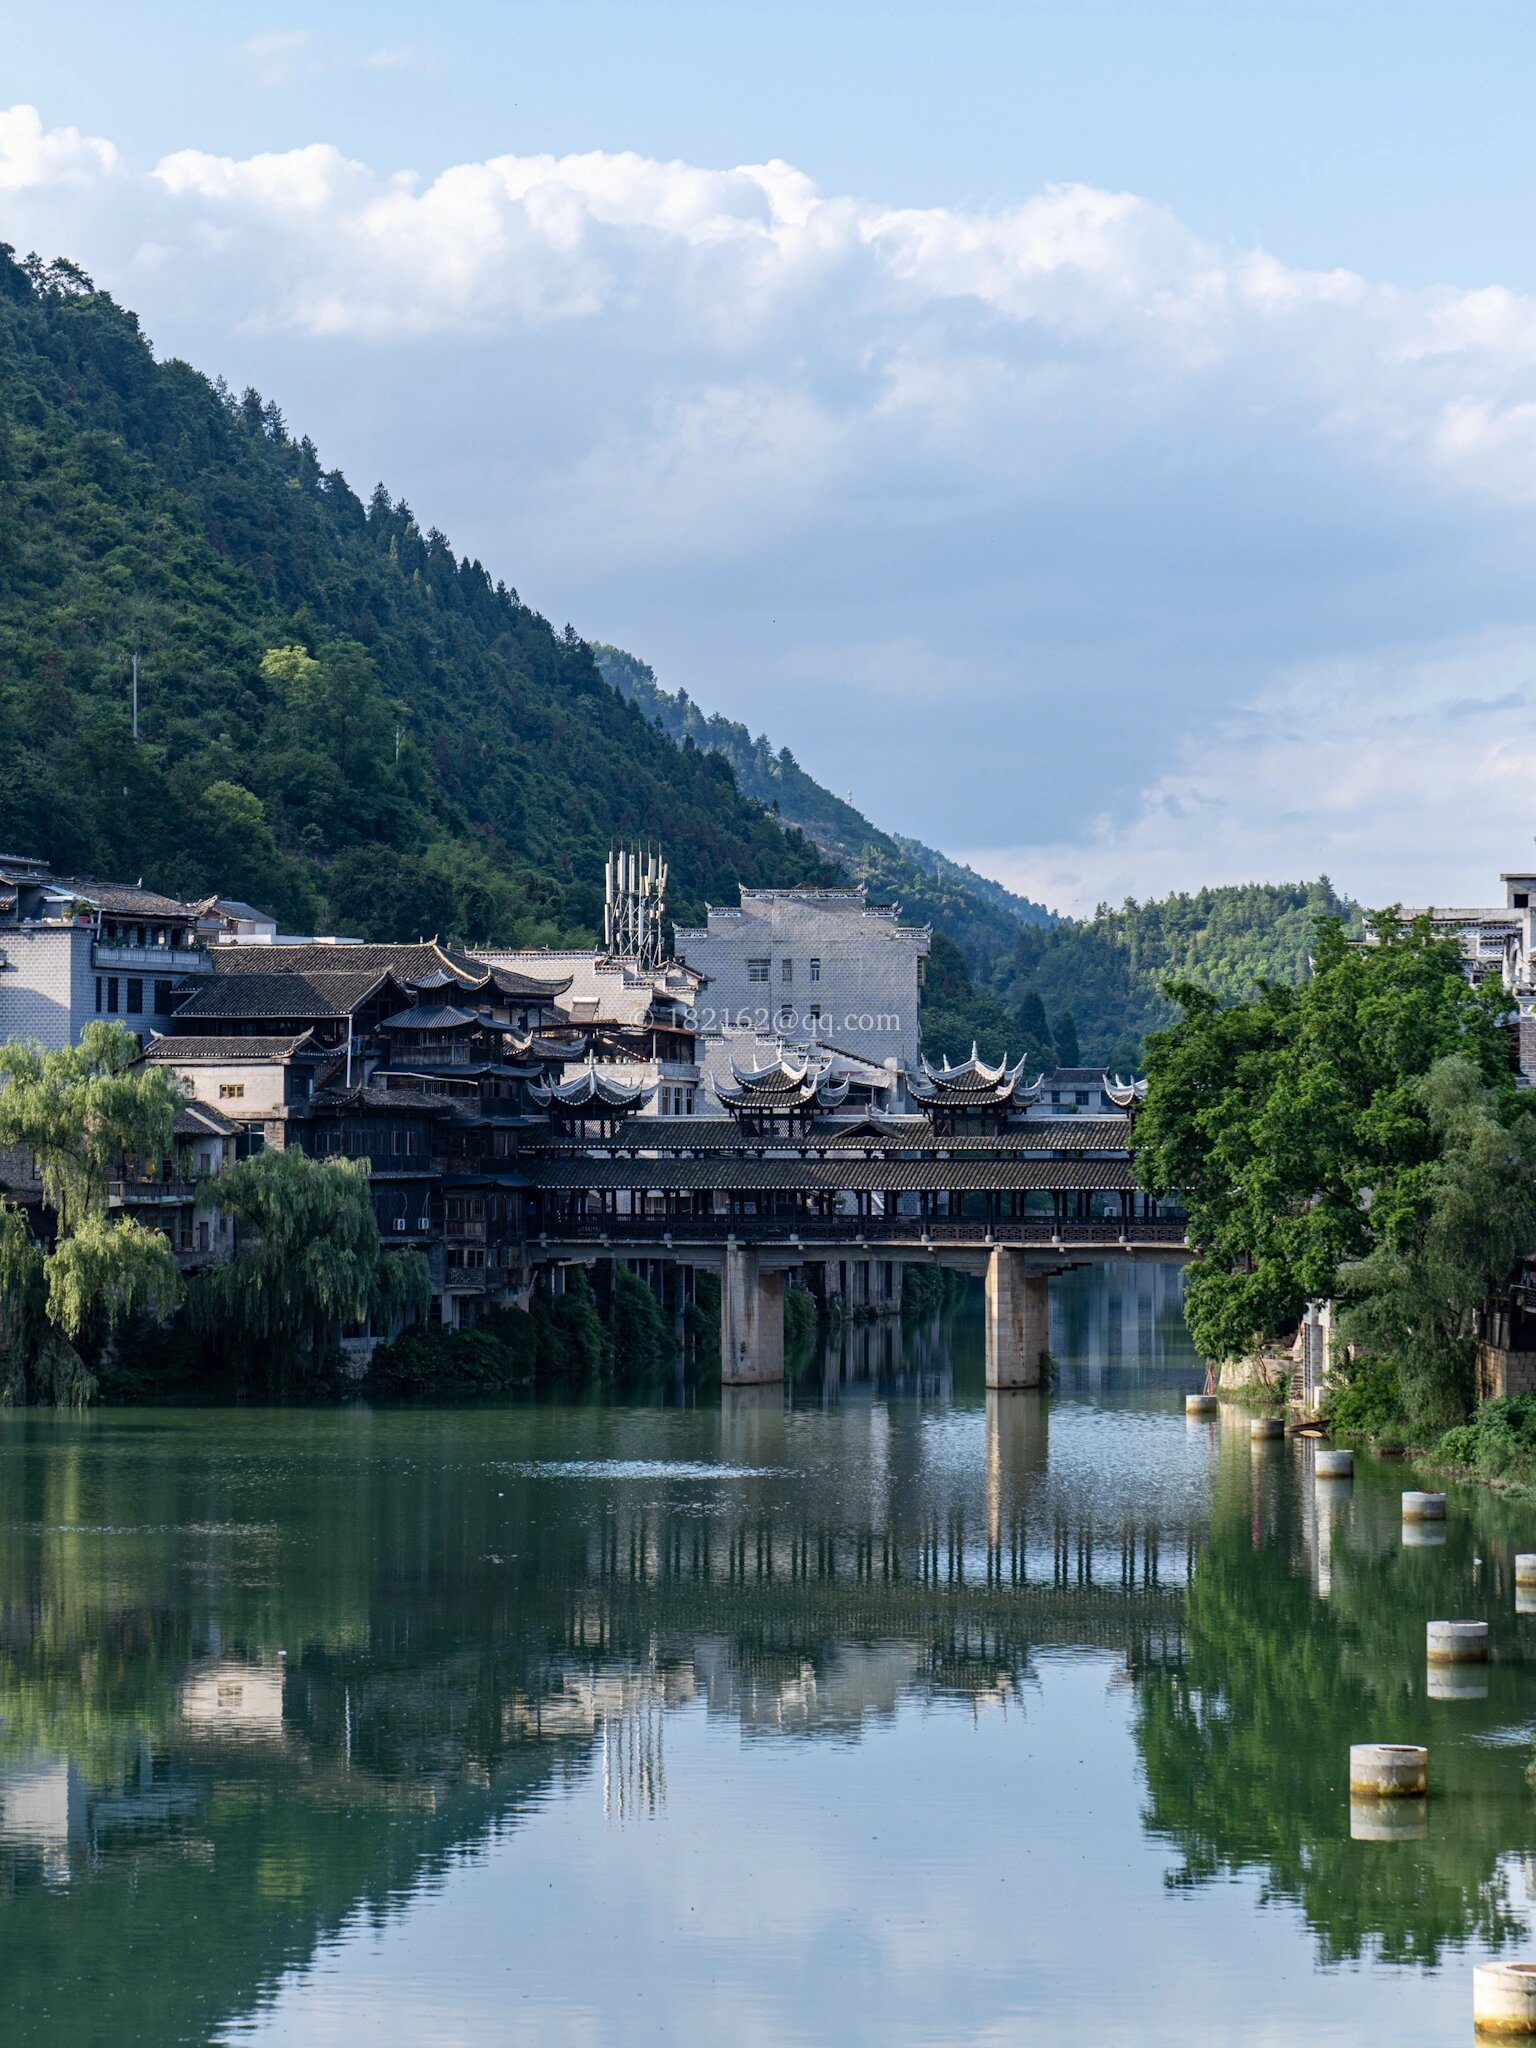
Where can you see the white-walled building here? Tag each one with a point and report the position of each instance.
(811, 968)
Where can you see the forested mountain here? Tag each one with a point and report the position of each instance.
(428, 755)
(981, 916)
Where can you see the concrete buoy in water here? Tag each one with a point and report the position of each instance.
(1423, 1507)
(1388, 1820)
(1388, 1770)
(1504, 1998)
(1200, 1404)
(1264, 1428)
(1457, 1642)
(1525, 1568)
(1334, 1464)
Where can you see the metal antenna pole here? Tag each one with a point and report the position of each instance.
(135, 699)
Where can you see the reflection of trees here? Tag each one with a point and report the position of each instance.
(1245, 1738)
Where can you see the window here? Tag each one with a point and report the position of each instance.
(815, 1015)
(787, 970)
(112, 995)
(202, 1237)
(163, 998)
(757, 970)
(135, 998)
(815, 970)
(231, 1091)
(98, 995)
(1521, 899)
(1081, 1098)
(786, 1017)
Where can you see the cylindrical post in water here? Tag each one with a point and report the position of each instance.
(1423, 1507)
(1457, 1642)
(1264, 1428)
(1388, 1770)
(1334, 1464)
(1199, 1404)
(1504, 1998)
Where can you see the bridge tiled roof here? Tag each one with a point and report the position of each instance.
(853, 1176)
(896, 1134)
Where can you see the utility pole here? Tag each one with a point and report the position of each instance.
(135, 700)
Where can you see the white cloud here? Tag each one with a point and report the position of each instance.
(34, 158)
(1054, 528)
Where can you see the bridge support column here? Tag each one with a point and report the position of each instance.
(1018, 1320)
(751, 1320)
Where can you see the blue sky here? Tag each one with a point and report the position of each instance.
(1100, 439)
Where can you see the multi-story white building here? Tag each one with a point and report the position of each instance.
(811, 968)
(73, 949)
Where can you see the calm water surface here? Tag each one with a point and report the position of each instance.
(869, 1711)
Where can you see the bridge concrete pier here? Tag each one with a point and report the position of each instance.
(751, 1319)
(1018, 1320)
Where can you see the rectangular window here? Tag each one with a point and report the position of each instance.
(231, 1091)
(98, 995)
(815, 1013)
(395, 1140)
(135, 998)
(787, 970)
(757, 970)
(163, 998)
(815, 970)
(202, 1237)
(1081, 1098)
(111, 995)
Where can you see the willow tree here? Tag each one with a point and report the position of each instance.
(307, 1263)
(79, 1113)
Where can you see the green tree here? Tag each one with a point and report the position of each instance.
(1306, 1132)
(307, 1264)
(80, 1113)
(1446, 1234)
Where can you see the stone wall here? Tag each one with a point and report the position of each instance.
(1501, 1372)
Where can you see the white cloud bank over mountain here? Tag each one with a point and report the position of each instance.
(1118, 560)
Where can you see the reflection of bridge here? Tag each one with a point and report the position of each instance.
(972, 1184)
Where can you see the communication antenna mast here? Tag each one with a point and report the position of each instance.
(135, 698)
(635, 905)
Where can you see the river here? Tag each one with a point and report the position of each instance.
(866, 1711)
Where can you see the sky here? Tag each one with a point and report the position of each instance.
(1098, 438)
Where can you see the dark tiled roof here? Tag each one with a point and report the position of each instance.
(337, 1100)
(430, 1017)
(212, 1051)
(711, 1134)
(197, 1120)
(121, 899)
(821, 1176)
(321, 995)
(427, 962)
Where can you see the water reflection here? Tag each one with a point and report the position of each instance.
(268, 1677)
(1304, 1632)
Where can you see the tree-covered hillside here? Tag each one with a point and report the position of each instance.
(340, 718)
(1109, 970)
